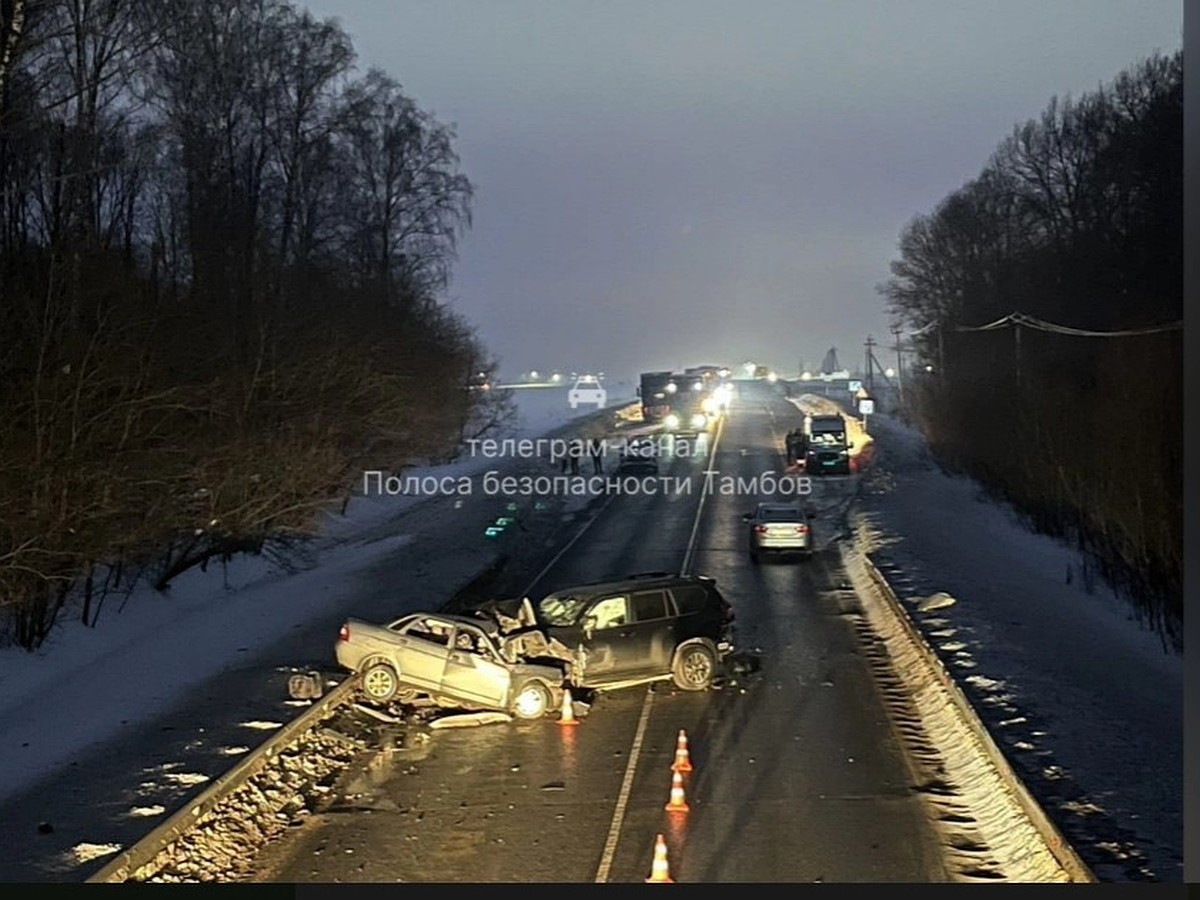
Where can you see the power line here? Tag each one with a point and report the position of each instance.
(1018, 319)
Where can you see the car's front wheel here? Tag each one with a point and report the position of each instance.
(695, 668)
(532, 701)
(380, 682)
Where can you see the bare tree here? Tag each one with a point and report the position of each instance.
(1074, 220)
(409, 199)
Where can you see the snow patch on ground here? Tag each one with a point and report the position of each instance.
(1094, 698)
(85, 684)
(187, 779)
(85, 852)
(147, 811)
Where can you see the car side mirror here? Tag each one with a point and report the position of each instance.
(810, 515)
(746, 517)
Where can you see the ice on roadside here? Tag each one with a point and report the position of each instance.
(86, 852)
(939, 600)
(143, 812)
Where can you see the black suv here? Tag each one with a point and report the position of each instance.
(648, 627)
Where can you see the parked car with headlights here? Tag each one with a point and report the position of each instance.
(458, 661)
(779, 528)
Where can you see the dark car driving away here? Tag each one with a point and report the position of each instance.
(643, 628)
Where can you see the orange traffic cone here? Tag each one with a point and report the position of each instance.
(677, 803)
(568, 710)
(660, 872)
(683, 762)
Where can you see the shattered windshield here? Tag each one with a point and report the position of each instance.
(560, 610)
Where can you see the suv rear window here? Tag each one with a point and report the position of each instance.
(691, 598)
(649, 605)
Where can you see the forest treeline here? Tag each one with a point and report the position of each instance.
(222, 249)
(1076, 220)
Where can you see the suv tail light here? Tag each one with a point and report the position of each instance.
(760, 529)
(801, 529)
(344, 634)
(728, 611)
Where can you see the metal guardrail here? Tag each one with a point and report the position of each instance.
(126, 864)
(1058, 845)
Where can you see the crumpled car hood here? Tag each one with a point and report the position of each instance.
(521, 640)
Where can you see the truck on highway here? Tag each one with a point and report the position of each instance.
(692, 406)
(654, 391)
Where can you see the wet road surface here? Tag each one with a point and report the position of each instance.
(798, 775)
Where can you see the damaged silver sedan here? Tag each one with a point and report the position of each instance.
(458, 661)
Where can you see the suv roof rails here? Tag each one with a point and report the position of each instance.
(651, 575)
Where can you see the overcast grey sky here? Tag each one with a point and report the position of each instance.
(666, 183)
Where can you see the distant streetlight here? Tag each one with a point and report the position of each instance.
(533, 373)
(889, 372)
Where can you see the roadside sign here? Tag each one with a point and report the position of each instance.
(855, 386)
(866, 407)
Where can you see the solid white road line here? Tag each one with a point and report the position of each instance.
(708, 474)
(635, 750)
(614, 830)
(569, 544)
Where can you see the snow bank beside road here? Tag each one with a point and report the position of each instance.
(86, 685)
(1087, 704)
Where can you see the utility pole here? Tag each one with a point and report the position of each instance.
(899, 366)
(1017, 351)
(870, 370)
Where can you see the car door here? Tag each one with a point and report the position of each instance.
(474, 670)
(649, 643)
(602, 643)
(422, 658)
